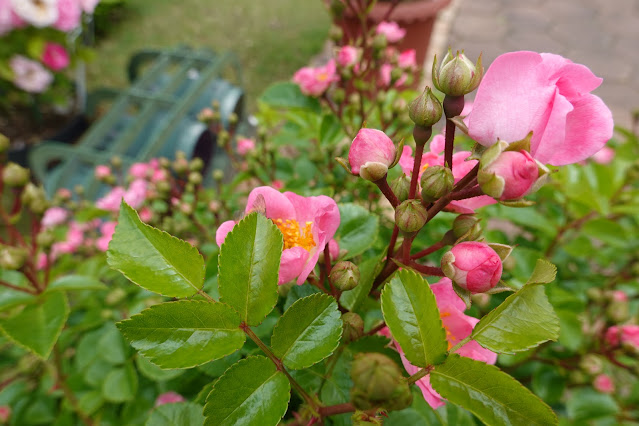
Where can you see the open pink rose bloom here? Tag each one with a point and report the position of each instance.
(307, 224)
(458, 326)
(548, 95)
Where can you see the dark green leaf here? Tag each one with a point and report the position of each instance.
(251, 392)
(522, 321)
(249, 267)
(368, 270)
(411, 313)
(153, 259)
(179, 413)
(38, 326)
(329, 130)
(490, 394)
(184, 334)
(587, 404)
(419, 413)
(357, 230)
(549, 384)
(288, 95)
(308, 332)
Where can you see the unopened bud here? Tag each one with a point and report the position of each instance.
(379, 42)
(457, 75)
(15, 176)
(410, 216)
(591, 364)
(34, 198)
(115, 296)
(4, 143)
(467, 224)
(473, 266)
(344, 275)
(618, 311)
(378, 382)
(218, 174)
(196, 164)
(401, 187)
(195, 178)
(335, 33)
(180, 165)
(45, 239)
(353, 327)
(116, 162)
(436, 181)
(426, 110)
(12, 258)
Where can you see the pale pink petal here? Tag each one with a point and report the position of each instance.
(437, 144)
(222, 231)
(292, 263)
(571, 79)
(277, 205)
(550, 138)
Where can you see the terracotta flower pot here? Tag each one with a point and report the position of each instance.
(416, 17)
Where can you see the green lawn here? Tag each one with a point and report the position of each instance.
(272, 38)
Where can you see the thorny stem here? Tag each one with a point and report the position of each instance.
(421, 373)
(280, 366)
(68, 393)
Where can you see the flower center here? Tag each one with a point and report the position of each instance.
(449, 336)
(322, 76)
(296, 235)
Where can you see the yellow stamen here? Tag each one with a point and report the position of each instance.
(449, 336)
(322, 76)
(296, 235)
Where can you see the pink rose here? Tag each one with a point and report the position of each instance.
(107, 229)
(619, 296)
(391, 31)
(461, 167)
(347, 56)
(54, 216)
(277, 184)
(514, 173)
(29, 75)
(136, 194)
(307, 223)
(408, 59)
(371, 153)
(385, 76)
(111, 201)
(101, 171)
(140, 170)
(69, 14)
(168, 398)
(458, 326)
(472, 265)
(245, 145)
(55, 56)
(315, 81)
(604, 384)
(604, 156)
(548, 95)
(623, 334)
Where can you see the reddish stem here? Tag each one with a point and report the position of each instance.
(417, 163)
(429, 250)
(383, 186)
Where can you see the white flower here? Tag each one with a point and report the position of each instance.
(29, 75)
(39, 13)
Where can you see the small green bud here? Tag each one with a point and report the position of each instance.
(457, 75)
(436, 182)
(353, 327)
(195, 178)
(401, 187)
(467, 224)
(395, 75)
(15, 176)
(618, 311)
(4, 143)
(591, 364)
(180, 165)
(339, 95)
(186, 208)
(335, 33)
(116, 161)
(196, 164)
(379, 42)
(378, 382)
(45, 239)
(34, 198)
(410, 216)
(12, 258)
(373, 171)
(79, 189)
(344, 275)
(163, 186)
(426, 110)
(218, 174)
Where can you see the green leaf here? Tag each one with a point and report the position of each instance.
(522, 321)
(608, 231)
(251, 392)
(490, 394)
(357, 229)
(288, 95)
(184, 334)
(153, 259)
(38, 326)
(544, 273)
(308, 332)
(153, 372)
(329, 130)
(249, 267)
(75, 282)
(587, 404)
(90, 401)
(410, 311)
(548, 383)
(419, 413)
(179, 413)
(121, 384)
(368, 269)
(10, 298)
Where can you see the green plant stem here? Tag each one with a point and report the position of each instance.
(280, 366)
(460, 344)
(421, 373)
(68, 393)
(205, 295)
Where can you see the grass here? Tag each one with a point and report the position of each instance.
(272, 38)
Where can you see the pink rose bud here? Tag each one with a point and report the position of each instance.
(371, 153)
(510, 176)
(54, 216)
(5, 414)
(55, 56)
(604, 384)
(245, 145)
(168, 398)
(624, 334)
(348, 56)
(604, 156)
(473, 266)
(391, 31)
(102, 172)
(407, 59)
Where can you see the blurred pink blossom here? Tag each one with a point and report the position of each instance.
(88, 6)
(168, 398)
(29, 75)
(55, 56)
(39, 13)
(391, 31)
(408, 59)
(623, 334)
(347, 56)
(604, 384)
(315, 81)
(604, 156)
(69, 15)
(106, 233)
(102, 171)
(245, 145)
(54, 216)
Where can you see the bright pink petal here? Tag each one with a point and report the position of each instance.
(277, 205)
(222, 231)
(292, 263)
(553, 133)
(437, 144)
(588, 127)
(446, 296)
(473, 350)
(571, 79)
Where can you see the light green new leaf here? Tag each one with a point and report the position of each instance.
(251, 392)
(75, 282)
(121, 384)
(153, 259)
(308, 332)
(525, 319)
(249, 266)
(38, 326)
(410, 311)
(184, 334)
(490, 394)
(179, 413)
(357, 229)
